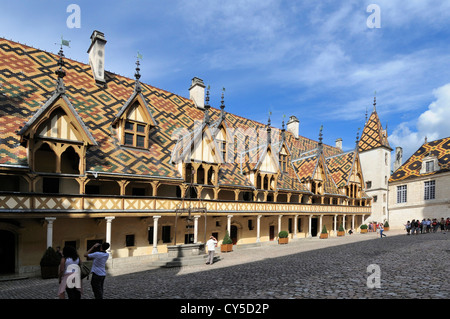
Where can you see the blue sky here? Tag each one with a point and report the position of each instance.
(317, 60)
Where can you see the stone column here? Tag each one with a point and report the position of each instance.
(279, 223)
(343, 222)
(258, 229)
(229, 224)
(155, 234)
(320, 226)
(309, 226)
(295, 226)
(353, 223)
(335, 223)
(50, 221)
(196, 217)
(108, 232)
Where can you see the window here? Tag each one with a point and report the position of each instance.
(429, 166)
(222, 149)
(134, 134)
(368, 184)
(401, 194)
(129, 240)
(283, 163)
(430, 190)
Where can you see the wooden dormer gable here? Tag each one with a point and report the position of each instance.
(134, 122)
(268, 162)
(57, 120)
(204, 147)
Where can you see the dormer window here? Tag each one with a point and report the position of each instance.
(283, 163)
(135, 134)
(430, 164)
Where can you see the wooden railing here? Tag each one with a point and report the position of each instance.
(13, 202)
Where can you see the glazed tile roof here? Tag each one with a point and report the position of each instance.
(27, 82)
(411, 168)
(373, 135)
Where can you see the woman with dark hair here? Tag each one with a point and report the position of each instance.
(69, 273)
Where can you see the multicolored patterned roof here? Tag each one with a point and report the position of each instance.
(411, 168)
(373, 135)
(28, 81)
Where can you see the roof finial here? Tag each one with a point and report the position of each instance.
(222, 104)
(283, 130)
(366, 116)
(357, 136)
(269, 130)
(60, 72)
(207, 106)
(320, 135)
(375, 102)
(137, 75)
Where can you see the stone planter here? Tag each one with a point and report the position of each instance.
(282, 241)
(226, 248)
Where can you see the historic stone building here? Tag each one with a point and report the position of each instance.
(420, 187)
(375, 155)
(88, 156)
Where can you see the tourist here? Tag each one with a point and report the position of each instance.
(442, 224)
(98, 267)
(70, 257)
(408, 227)
(211, 245)
(381, 228)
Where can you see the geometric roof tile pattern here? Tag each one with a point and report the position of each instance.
(373, 135)
(27, 82)
(411, 168)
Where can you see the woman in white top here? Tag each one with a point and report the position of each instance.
(70, 257)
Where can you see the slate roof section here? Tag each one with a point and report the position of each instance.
(373, 135)
(411, 168)
(27, 82)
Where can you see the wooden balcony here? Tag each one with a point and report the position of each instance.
(31, 204)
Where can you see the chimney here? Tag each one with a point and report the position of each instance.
(339, 143)
(96, 53)
(197, 92)
(293, 125)
(398, 157)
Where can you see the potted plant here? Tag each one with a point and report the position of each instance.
(341, 231)
(324, 233)
(363, 228)
(386, 226)
(283, 237)
(227, 244)
(50, 264)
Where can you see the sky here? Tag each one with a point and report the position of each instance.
(321, 61)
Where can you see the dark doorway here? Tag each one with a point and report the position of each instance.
(7, 252)
(271, 233)
(314, 227)
(234, 234)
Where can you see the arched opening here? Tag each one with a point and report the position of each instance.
(7, 252)
(70, 161)
(45, 159)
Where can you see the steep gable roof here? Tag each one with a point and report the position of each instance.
(411, 168)
(27, 82)
(373, 135)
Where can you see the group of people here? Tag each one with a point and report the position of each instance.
(427, 226)
(68, 274)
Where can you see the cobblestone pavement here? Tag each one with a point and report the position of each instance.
(411, 267)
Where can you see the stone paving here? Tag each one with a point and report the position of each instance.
(411, 267)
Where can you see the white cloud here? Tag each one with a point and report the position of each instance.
(431, 124)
